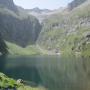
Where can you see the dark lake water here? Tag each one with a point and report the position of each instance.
(53, 72)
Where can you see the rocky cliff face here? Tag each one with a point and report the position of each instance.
(21, 28)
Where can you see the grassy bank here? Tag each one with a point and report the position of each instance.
(6, 82)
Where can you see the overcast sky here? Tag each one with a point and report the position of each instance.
(48, 4)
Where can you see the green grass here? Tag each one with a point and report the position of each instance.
(33, 50)
(17, 50)
(31, 88)
(5, 82)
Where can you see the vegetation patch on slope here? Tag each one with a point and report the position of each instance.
(67, 31)
(17, 50)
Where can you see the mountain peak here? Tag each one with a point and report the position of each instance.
(38, 10)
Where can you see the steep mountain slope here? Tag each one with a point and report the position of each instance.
(67, 31)
(3, 46)
(75, 3)
(16, 26)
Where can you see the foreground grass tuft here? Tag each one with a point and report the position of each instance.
(6, 82)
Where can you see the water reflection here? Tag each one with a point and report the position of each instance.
(2, 63)
(54, 72)
(22, 67)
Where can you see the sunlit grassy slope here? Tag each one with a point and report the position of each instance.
(67, 31)
(17, 50)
